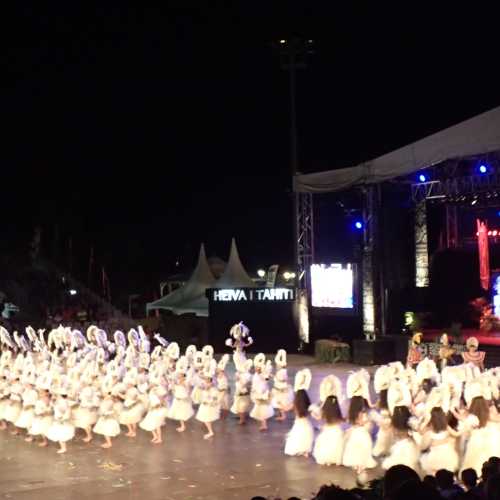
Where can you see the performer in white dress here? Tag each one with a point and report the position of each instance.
(14, 406)
(85, 413)
(260, 394)
(29, 397)
(222, 385)
(299, 441)
(484, 433)
(133, 409)
(404, 450)
(181, 408)
(107, 424)
(242, 402)
(358, 445)
(329, 444)
(209, 409)
(43, 417)
(239, 339)
(62, 429)
(382, 417)
(196, 378)
(157, 412)
(282, 392)
(438, 438)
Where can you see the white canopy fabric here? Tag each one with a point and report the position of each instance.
(478, 135)
(234, 275)
(191, 297)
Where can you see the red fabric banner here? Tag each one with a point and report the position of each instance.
(484, 254)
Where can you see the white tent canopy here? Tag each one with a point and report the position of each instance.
(234, 275)
(478, 135)
(191, 297)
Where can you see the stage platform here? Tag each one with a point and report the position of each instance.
(488, 342)
(238, 463)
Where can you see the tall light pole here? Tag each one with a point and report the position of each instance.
(294, 53)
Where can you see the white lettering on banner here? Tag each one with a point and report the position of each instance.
(256, 294)
(233, 295)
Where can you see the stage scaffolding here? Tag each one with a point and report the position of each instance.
(448, 185)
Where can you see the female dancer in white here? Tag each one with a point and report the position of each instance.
(181, 408)
(209, 410)
(329, 444)
(282, 392)
(299, 441)
(261, 397)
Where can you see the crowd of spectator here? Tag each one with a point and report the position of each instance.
(402, 483)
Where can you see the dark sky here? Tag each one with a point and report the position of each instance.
(146, 131)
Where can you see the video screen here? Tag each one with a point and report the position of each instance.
(332, 286)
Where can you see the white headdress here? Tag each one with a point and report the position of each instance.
(182, 365)
(280, 358)
(382, 378)
(208, 351)
(398, 394)
(91, 330)
(427, 369)
(209, 368)
(472, 342)
(223, 362)
(119, 338)
(198, 359)
(439, 397)
(302, 380)
(173, 351)
(133, 338)
(330, 386)
(357, 384)
(259, 361)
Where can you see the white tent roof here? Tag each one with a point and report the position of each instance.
(234, 275)
(478, 135)
(191, 297)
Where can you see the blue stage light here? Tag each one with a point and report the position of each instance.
(358, 225)
(422, 178)
(483, 169)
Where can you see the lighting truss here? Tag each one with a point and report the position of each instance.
(305, 237)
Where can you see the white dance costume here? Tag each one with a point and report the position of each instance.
(25, 418)
(61, 429)
(242, 401)
(300, 438)
(404, 451)
(107, 423)
(181, 408)
(209, 410)
(358, 447)
(157, 413)
(329, 445)
(42, 419)
(442, 453)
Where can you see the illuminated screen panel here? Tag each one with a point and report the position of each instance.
(332, 286)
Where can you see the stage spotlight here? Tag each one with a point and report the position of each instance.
(474, 201)
(489, 233)
(358, 225)
(422, 178)
(261, 273)
(494, 233)
(483, 169)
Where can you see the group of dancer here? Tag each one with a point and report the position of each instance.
(423, 418)
(51, 387)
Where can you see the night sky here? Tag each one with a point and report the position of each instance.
(144, 132)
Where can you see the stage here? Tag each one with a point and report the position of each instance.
(238, 463)
(489, 342)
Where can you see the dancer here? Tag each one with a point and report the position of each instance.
(242, 402)
(157, 412)
(29, 398)
(329, 444)
(209, 409)
(239, 339)
(438, 436)
(62, 429)
(358, 445)
(222, 384)
(382, 418)
(260, 395)
(299, 440)
(181, 408)
(404, 449)
(107, 424)
(133, 407)
(414, 351)
(282, 392)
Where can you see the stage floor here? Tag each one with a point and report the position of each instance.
(238, 463)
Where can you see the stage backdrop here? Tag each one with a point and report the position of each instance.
(268, 312)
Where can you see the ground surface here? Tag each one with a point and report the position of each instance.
(238, 463)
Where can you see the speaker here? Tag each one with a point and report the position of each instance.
(376, 352)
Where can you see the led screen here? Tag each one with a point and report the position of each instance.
(332, 286)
